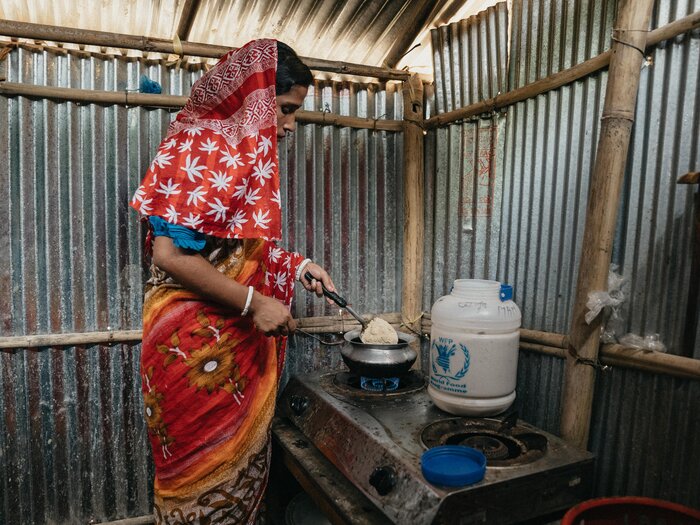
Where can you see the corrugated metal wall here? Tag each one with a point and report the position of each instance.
(548, 153)
(464, 161)
(73, 443)
(655, 228)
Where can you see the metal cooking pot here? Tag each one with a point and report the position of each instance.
(378, 360)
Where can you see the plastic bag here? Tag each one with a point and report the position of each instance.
(648, 343)
(612, 298)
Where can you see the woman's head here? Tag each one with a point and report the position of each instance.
(292, 82)
(290, 70)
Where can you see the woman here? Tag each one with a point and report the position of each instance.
(216, 311)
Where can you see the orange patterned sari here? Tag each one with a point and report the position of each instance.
(209, 385)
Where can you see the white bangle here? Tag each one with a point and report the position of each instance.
(248, 300)
(300, 268)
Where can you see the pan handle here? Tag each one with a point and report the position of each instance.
(331, 295)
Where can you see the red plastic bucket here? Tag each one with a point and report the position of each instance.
(630, 510)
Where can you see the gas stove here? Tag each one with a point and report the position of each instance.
(375, 439)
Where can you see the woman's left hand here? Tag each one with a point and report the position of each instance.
(320, 276)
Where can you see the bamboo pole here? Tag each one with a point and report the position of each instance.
(654, 362)
(76, 339)
(159, 45)
(530, 340)
(126, 98)
(603, 200)
(413, 181)
(561, 78)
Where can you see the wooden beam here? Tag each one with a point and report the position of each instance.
(607, 177)
(189, 12)
(559, 79)
(159, 45)
(126, 98)
(413, 206)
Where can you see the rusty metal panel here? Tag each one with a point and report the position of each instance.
(73, 443)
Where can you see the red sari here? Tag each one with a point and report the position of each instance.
(209, 377)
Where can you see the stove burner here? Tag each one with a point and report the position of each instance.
(502, 449)
(379, 384)
(347, 383)
(491, 446)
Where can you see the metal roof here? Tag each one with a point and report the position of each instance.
(370, 32)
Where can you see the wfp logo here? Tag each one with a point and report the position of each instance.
(449, 356)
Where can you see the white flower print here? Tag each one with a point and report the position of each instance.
(194, 131)
(264, 145)
(237, 221)
(185, 146)
(209, 146)
(154, 180)
(275, 254)
(169, 189)
(281, 280)
(263, 171)
(139, 195)
(288, 261)
(162, 159)
(192, 169)
(267, 278)
(252, 196)
(276, 197)
(169, 144)
(171, 214)
(219, 181)
(261, 219)
(231, 160)
(242, 189)
(253, 157)
(145, 207)
(219, 209)
(196, 195)
(192, 220)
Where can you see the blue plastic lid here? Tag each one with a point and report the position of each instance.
(453, 465)
(506, 293)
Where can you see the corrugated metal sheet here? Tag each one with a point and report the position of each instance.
(644, 433)
(470, 59)
(73, 443)
(359, 31)
(655, 227)
(464, 161)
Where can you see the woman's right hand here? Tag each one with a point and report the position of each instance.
(271, 316)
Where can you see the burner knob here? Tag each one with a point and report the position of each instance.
(298, 404)
(383, 479)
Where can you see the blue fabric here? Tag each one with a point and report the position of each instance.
(182, 237)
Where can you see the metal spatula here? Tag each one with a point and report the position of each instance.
(337, 300)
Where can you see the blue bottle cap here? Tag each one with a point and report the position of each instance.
(506, 293)
(453, 465)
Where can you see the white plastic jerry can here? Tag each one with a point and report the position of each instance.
(474, 348)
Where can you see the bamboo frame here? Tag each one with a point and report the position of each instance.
(413, 192)
(603, 202)
(546, 343)
(160, 45)
(126, 98)
(559, 79)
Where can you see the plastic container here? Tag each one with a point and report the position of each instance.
(474, 348)
(630, 510)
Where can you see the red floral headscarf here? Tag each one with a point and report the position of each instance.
(216, 170)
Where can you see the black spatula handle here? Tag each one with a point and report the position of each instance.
(331, 295)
